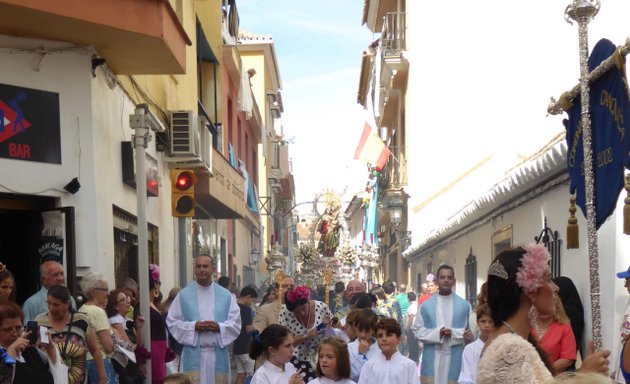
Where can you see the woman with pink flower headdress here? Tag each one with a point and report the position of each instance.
(519, 288)
(308, 320)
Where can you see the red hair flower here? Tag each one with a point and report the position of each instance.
(299, 293)
(155, 272)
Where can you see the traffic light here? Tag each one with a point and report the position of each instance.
(183, 192)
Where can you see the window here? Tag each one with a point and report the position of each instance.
(470, 275)
(501, 240)
(554, 245)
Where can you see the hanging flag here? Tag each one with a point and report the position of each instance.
(610, 110)
(372, 149)
(371, 218)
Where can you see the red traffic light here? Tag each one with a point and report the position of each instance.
(184, 181)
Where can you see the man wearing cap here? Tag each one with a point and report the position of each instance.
(624, 333)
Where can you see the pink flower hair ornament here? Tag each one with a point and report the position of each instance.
(154, 270)
(299, 293)
(533, 264)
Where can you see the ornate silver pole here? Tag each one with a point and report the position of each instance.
(583, 11)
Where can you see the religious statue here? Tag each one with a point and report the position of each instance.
(328, 227)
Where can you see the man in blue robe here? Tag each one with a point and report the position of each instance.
(205, 318)
(442, 325)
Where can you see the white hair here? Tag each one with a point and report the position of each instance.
(90, 281)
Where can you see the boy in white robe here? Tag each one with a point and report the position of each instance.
(389, 366)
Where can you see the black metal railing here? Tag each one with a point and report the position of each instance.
(394, 174)
(554, 245)
(393, 36)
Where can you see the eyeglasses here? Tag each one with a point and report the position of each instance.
(101, 289)
(10, 330)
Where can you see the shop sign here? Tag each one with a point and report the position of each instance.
(51, 249)
(29, 125)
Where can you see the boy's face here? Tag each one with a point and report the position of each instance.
(486, 325)
(364, 334)
(387, 342)
(351, 331)
(248, 301)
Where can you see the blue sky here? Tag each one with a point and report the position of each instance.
(319, 46)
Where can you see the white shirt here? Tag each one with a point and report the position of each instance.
(399, 370)
(269, 373)
(470, 362)
(357, 361)
(323, 380)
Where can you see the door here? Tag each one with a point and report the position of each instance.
(30, 236)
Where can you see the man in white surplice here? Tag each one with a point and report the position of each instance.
(205, 319)
(442, 325)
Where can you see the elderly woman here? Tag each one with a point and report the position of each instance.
(519, 288)
(31, 363)
(71, 334)
(94, 287)
(303, 316)
(118, 304)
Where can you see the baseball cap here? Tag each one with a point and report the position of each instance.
(624, 274)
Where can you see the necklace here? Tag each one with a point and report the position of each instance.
(308, 316)
(540, 331)
(509, 327)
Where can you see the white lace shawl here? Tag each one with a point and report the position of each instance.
(510, 359)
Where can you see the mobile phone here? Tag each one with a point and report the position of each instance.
(32, 327)
(321, 326)
(43, 335)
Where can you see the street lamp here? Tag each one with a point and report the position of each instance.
(396, 206)
(275, 261)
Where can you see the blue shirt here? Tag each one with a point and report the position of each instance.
(37, 304)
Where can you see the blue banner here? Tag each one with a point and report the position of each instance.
(609, 106)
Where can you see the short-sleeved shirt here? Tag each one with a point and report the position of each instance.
(76, 349)
(241, 344)
(558, 342)
(98, 322)
(307, 351)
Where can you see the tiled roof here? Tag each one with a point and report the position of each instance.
(549, 161)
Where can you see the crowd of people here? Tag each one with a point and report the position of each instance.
(525, 327)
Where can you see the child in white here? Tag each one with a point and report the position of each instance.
(472, 352)
(390, 366)
(364, 347)
(333, 365)
(276, 344)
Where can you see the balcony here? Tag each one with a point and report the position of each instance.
(134, 36)
(393, 36)
(394, 174)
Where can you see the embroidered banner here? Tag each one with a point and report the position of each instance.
(609, 107)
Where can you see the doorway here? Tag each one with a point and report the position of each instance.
(32, 230)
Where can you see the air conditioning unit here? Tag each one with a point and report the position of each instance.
(190, 141)
(185, 139)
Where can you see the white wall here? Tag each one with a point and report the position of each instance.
(527, 221)
(94, 121)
